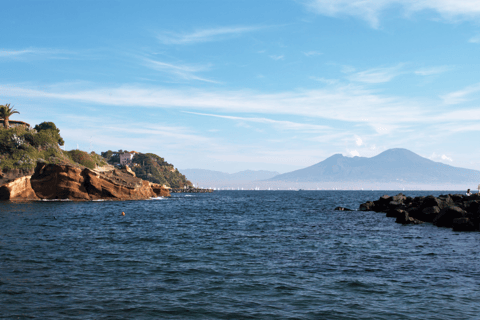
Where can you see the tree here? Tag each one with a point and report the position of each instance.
(50, 126)
(5, 113)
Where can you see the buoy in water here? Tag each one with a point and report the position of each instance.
(123, 213)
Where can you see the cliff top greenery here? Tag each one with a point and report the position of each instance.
(21, 147)
(151, 167)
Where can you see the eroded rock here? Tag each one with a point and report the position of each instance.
(52, 181)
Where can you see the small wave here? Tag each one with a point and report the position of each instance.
(54, 200)
(157, 198)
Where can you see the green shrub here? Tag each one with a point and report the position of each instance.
(53, 130)
(82, 157)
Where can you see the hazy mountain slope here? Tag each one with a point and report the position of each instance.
(201, 175)
(389, 166)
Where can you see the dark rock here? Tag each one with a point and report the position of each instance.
(399, 198)
(431, 201)
(463, 224)
(429, 214)
(457, 197)
(404, 218)
(396, 205)
(447, 215)
(472, 206)
(394, 213)
(342, 209)
(367, 206)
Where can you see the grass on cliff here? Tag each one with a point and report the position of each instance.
(21, 148)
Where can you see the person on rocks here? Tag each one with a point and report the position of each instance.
(468, 192)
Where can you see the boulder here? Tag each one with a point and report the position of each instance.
(429, 214)
(447, 215)
(394, 213)
(399, 198)
(463, 224)
(367, 206)
(404, 218)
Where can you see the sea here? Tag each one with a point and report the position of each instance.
(233, 255)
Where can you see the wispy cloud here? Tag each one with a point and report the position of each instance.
(460, 96)
(343, 103)
(312, 53)
(432, 70)
(324, 80)
(475, 39)
(205, 35)
(277, 57)
(34, 53)
(187, 72)
(371, 10)
(377, 75)
(289, 125)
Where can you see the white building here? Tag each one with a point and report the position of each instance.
(127, 157)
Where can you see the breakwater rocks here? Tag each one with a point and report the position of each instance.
(457, 211)
(191, 190)
(55, 181)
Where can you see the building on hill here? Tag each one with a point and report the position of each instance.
(127, 157)
(14, 123)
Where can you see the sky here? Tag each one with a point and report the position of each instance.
(237, 85)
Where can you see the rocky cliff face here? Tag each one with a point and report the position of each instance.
(52, 181)
(18, 189)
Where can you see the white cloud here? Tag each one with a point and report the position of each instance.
(358, 141)
(371, 10)
(277, 57)
(475, 39)
(182, 71)
(347, 69)
(312, 53)
(38, 53)
(289, 125)
(343, 103)
(324, 80)
(354, 153)
(460, 96)
(204, 35)
(376, 75)
(432, 70)
(442, 157)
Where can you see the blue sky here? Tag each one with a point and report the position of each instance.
(262, 85)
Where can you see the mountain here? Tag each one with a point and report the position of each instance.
(208, 176)
(393, 165)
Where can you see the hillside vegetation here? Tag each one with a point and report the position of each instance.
(151, 167)
(21, 148)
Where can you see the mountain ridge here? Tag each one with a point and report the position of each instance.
(392, 165)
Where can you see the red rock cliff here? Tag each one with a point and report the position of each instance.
(51, 181)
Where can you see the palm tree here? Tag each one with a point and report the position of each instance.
(5, 113)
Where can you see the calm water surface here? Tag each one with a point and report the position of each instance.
(232, 255)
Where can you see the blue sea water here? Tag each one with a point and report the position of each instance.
(232, 255)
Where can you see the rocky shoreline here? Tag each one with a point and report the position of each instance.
(457, 211)
(63, 181)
